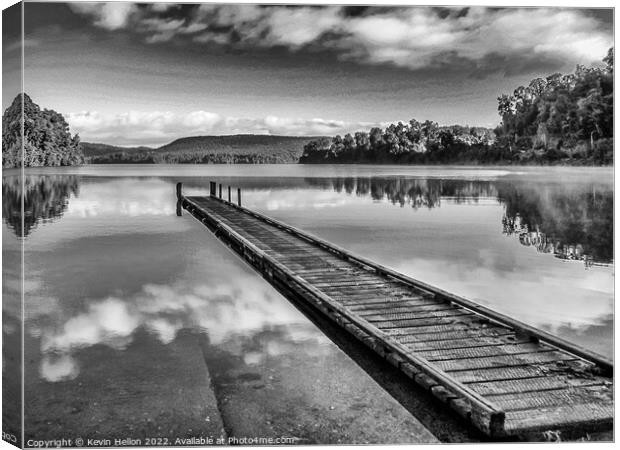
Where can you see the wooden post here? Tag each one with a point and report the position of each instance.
(220, 190)
(179, 202)
(239, 196)
(229, 195)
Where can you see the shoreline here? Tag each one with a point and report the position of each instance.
(450, 164)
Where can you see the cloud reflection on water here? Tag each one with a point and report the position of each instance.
(224, 312)
(542, 300)
(55, 368)
(155, 197)
(292, 199)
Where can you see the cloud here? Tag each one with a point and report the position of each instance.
(291, 27)
(111, 16)
(417, 38)
(158, 128)
(18, 44)
(163, 7)
(165, 29)
(162, 25)
(409, 37)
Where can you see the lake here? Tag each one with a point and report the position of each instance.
(139, 323)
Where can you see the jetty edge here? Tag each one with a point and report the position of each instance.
(505, 377)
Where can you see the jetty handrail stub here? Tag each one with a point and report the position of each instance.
(605, 363)
(439, 375)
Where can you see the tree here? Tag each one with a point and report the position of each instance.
(506, 106)
(609, 60)
(376, 139)
(430, 129)
(348, 143)
(362, 142)
(415, 131)
(538, 86)
(47, 140)
(337, 146)
(573, 110)
(391, 140)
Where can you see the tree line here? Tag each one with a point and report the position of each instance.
(560, 118)
(189, 157)
(46, 141)
(410, 143)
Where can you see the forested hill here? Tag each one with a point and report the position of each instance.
(235, 149)
(562, 115)
(565, 119)
(47, 140)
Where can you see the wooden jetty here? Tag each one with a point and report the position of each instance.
(504, 376)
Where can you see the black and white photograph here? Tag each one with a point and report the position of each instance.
(276, 224)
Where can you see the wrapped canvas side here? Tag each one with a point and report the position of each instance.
(13, 225)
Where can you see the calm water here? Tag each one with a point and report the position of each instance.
(131, 308)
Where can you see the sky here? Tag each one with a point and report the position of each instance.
(146, 74)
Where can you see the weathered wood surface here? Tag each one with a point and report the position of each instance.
(505, 377)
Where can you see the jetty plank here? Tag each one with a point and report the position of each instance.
(569, 396)
(505, 377)
(450, 366)
(594, 414)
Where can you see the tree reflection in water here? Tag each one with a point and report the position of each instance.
(417, 192)
(46, 198)
(573, 222)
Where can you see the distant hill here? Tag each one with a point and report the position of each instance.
(241, 148)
